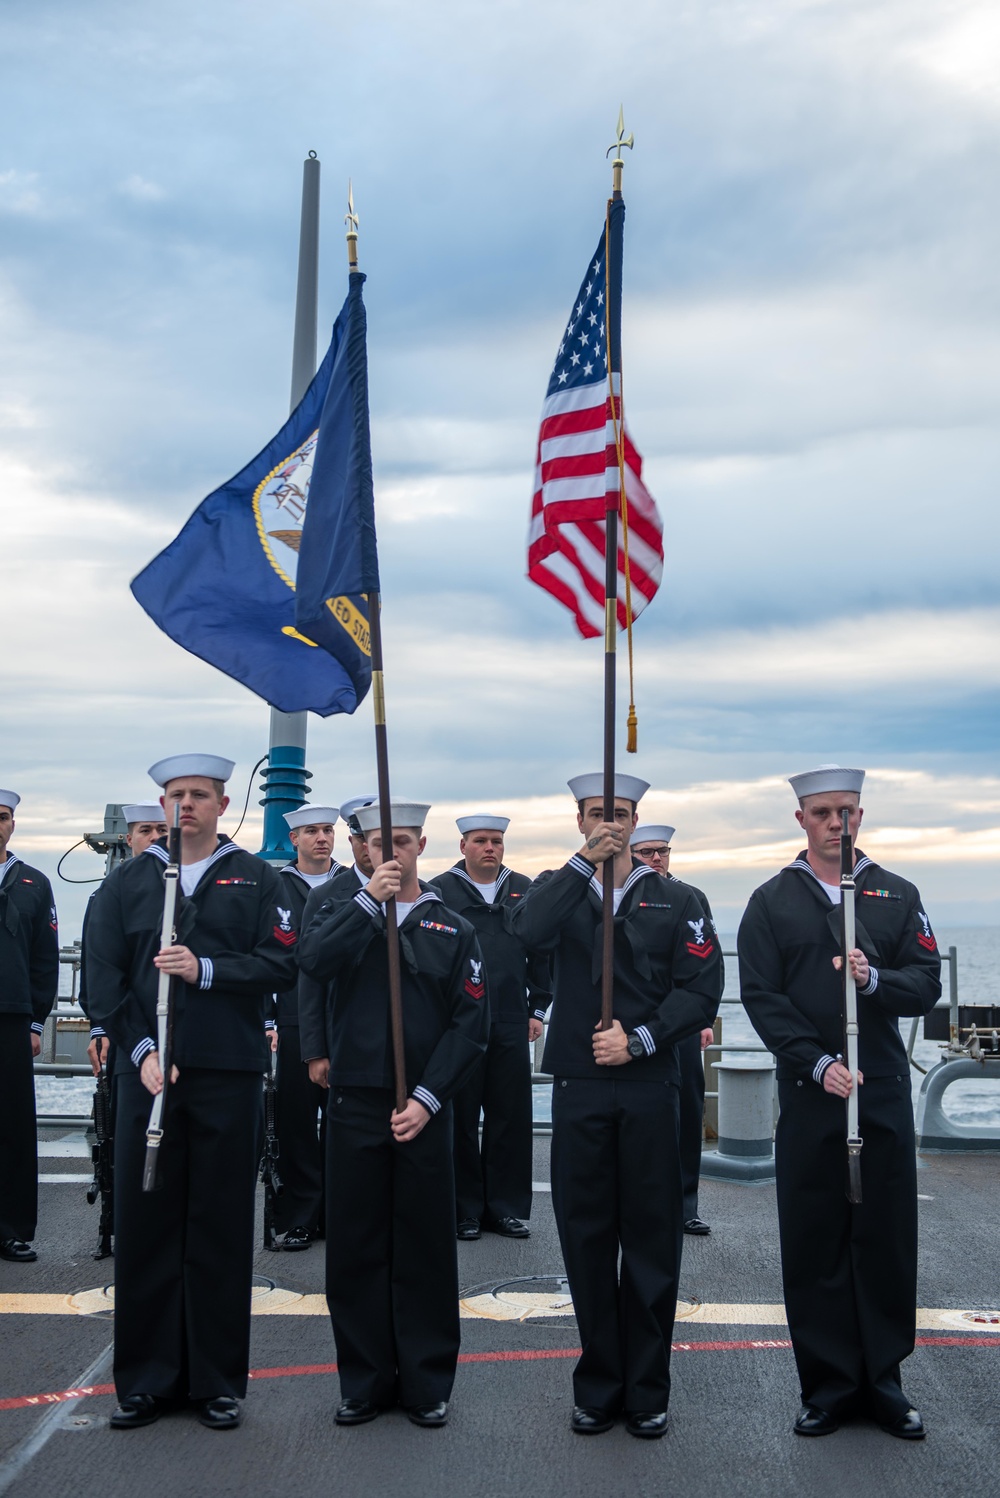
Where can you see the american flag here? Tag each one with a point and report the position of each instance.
(577, 466)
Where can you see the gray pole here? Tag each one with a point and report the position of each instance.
(285, 779)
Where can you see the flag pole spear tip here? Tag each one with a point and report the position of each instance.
(618, 145)
(351, 220)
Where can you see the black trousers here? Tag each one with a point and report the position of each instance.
(391, 1256)
(849, 1272)
(616, 1188)
(184, 1253)
(495, 1180)
(692, 1101)
(301, 1105)
(18, 1134)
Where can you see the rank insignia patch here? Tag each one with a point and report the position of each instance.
(436, 926)
(926, 937)
(474, 986)
(287, 938)
(705, 950)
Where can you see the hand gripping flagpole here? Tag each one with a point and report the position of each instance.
(848, 942)
(382, 770)
(613, 305)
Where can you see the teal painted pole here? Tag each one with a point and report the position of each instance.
(285, 780)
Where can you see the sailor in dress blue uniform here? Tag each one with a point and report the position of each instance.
(849, 1271)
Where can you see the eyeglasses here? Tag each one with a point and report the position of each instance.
(651, 852)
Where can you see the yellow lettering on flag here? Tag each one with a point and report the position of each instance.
(353, 621)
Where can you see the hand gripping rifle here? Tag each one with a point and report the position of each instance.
(164, 1006)
(102, 1154)
(848, 943)
(270, 1179)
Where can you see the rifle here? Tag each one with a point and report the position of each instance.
(270, 1179)
(164, 1006)
(848, 942)
(103, 1155)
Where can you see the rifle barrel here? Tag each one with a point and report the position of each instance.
(848, 943)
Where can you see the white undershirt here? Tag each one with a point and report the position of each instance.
(488, 891)
(402, 910)
(618, 893)
(315, 879)
(833, 890)
(192, 872)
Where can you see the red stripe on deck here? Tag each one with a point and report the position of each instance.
(533, 1355)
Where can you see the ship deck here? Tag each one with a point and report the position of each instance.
(734, 1386)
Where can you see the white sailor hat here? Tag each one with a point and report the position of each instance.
(404, 814)
(211, 766)
(143, 811)
(10, 799)
(311, 816)
(628, 787)
(826, 778)
(482, 821)
(650, 830)
(349, 811)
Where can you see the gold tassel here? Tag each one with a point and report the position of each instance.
(633, 726)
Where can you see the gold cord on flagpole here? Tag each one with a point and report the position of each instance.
(618, 425)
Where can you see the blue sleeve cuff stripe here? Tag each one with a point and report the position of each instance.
(581, 865)
(428, 1099)
(368, 905)
(821, 1066)
(36, 1027)
(872, 981)
(539, 1013)
(207, 972)
(96, 1031)
(647, 1039)
(142, 1049)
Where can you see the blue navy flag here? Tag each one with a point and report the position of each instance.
(338, 563)
(225, 587)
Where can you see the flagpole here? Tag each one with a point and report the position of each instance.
(613, 268)
(382, 774)
(285, 780)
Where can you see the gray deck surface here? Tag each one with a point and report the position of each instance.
(731, 1411)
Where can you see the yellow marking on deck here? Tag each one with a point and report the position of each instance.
(501, 1305)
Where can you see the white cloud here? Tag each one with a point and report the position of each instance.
(141, 190)
(18, 193)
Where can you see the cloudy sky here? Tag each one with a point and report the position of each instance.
(812, 368)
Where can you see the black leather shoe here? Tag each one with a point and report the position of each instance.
(815, 1422)
(356, 1412)
(507, 1227)
(468, 1230)
(223, 1413)
(649, 1425)
(590, 1422)
(697, 1228)
(296, 1239)
(908, 1427)
(430, 1416)
(137, 1409)
(16, 1251)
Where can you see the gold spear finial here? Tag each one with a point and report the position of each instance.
(618, 145)
(351, 220)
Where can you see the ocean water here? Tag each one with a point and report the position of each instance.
(971, 1101)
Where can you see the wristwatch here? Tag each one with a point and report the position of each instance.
(635, 1047)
